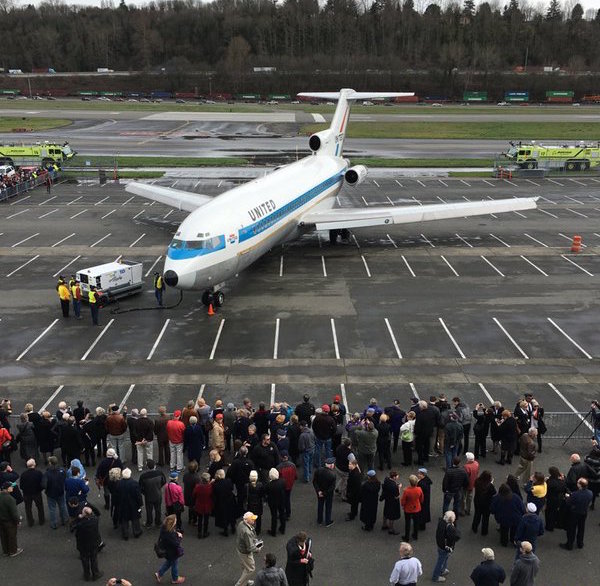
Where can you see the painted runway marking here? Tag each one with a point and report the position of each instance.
(324, 268)
(366, 266)
(109, 213)
(390, 239)
(177, 181)
(449, 265)
(536, 240)
(276, 341)
(571, 239)
(577, 213)
(428, 241)
(493, 215)
(216, 343)
(493, 266)
(443, 183)
(138, 215)
(63, 240)
(118, 259)
(127, 201)
(200, 392)
(25, 240)
(514, 343)
(66, 266)
(376, 183)
(127, 394)
(281, 266)
(533, 182)
(102, 200)
(421, 183)
(485, 392)
(157, 341)
(98, 338)
(570, 405)
(47, 200)
(168, 214)
(547, 213)
(500, 240)
(153, 265)
(388, 198)
(466, 198)
(37, 340)
(51, 398)
(489, 183)
(74, 200)
(589, 356)
(578, 266)
(465, 182)
(414, 390)
(398, 182)
(220, 183)
(197, 183)
(391, 332)
(534, 265)
(136, 241)
(335, 340)
(555, 182)
(345, 399)
(416, 201)
(20, 200)
(23, 265)
(578, 182)
(510, 182)
(47, 214)
(442, 200)
(573, 199)
(273, 388)
(451, 338)
(461, 238)
(17, 214)
(77, 214)
(101, 239)
(408, 266)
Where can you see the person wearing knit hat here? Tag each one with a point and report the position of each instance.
(217, 434)
(325, 408)
(488, 572)
(530, 527)
(369, 500)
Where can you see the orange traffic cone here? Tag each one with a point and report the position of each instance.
(211, 311)
(576, 246)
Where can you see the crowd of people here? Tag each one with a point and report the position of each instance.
(22, 175)
(233, 463)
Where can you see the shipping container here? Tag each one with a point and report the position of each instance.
(111, 94)
(10, 92)
(281, 97)
(186, 95)
(245, 97)
(160, 94)
(406, 99)
(60, 92)
(475, 97)
(591, 98)
(560, 94)
(516, 96)
(87, 93)
(430, 99)
(559, 100)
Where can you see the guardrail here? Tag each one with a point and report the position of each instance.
(25, 186)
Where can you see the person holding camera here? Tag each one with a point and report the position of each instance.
(247, 544)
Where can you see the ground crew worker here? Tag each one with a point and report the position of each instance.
(159, 287)
(94, 304)
(72, 281)
(65, 298)
(76, 294)
(61, 279)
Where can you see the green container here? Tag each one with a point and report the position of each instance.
(279, 97)
(10, 92)
(475, 97)
(247, 97)
(87, 93)
(560, 94)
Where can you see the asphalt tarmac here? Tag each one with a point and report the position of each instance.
(486, 308)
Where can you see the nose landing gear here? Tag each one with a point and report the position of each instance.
(217, 298)
(335, 234)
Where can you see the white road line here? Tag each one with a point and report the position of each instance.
(421, 183)
(465, 182)
(98, 338)
(414, 390)
(510, 182)
(153, 265)
(536, 240)
(485, 392)
(17, 214)
(398, 182)
(276, 341)
(449, 265)
(37, 340)
(595, 180)
(547, 213)
(442, 200)
(47, 200)
(168, 214)
(389, 327)
(366, 265)
(273, 389)
(589, 356)
(335, 341)
(443, 183)
(219, 185)
(555, 182)
(202, 386)
(66, 266)
(408, 266)
(451, 338)
(548, 200)
(356, 241)
(570, 239)
(25, 240)
(366, 202)
(102, 200)
(337, 198)
(493, 266)
(570, 405)
(77, 214)
(500, 240)
(197, 183)
(323, 263)
(573, 199)
(47, 214)
(577, 213)
(23, 265)
(488, 182)
(136, 241)
(428, 241)
(534, 265)
(216, 343)
(109, 213)
(20, 200)
(533, 182)
(520, 214)
(578, 266)
(417, 201)
(376, 183)
(157, 342)
(466, 198)
(127, 394)
(578, 182)
(388, 198)
(138, 215)
(514, 343)
(118, 259)
(74, 200)
(281, 266)
(127, 201)
(461, 238)
(596, 234)
(61, 241)
(51, 398)
(390, 239)
(101, 239)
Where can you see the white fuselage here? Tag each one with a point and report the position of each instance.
(227, 234)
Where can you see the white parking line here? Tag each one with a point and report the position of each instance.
(157, 342)
(17, 214)
(25, 239)
(520, 214)
(61, 241)
(461, 238)
(202, 387)
(51, 398)
(577, 213)
(497, 321)
(37, 340)
(276, 341)
(534, 265)
(216, 343)
(138, 215)
(428, 241)
(443, 183)
(570, 405)
(102, 200)
(595, 180)
(109, 213)
(77, 214)
(488, 182)
(548, 200)
(281, 266)
(197, 183)
(421, 183)
(356, 241)
(98, 338)
(335, 341)
(323, 263)
(573, 199)
(510, 182)
(118, 259)
(168, 214)
(547, 213)
(366, 266)
(366, 202)
(273, 389)
(589, 356)
(47, 214)
(536, 240)
(219, 185)
(466, 198)
(47, 200)
(417, 201)
(442, 200)
(452, 338)
(578, 266)
(408, 266)
(596, 234)
(465, 182)
(571, 239)
(578, 182)
(127, 201)
(153, 265)
(449, 265)
(414, 390)
(556, 182)
(398, 182)
(136, 241)
(390, 239)
(127, 394)
(74, 200)
(101, 239)
(22, 266)
(533, 182)
(389, 327)
(19, 200)
(388, 198)
(485, 392)
(66, 266)
(376, 183)
(500, 240)
(493, 266)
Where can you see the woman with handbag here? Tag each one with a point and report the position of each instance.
(169, 547)
(174, 501)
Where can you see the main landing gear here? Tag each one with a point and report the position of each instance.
(217, 298)
(335, 234)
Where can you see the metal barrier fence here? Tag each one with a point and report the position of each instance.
(15, 190)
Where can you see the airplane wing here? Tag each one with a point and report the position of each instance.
(176, 198)
(339, 218)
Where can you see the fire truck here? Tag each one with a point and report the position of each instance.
(572, 157)
(40, 153)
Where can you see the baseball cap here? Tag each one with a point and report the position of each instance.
(219, 416)
(531, 508)
(337, 399)
(173, 474)
(330, 461)
(371, 473)
(249, 516)
(423, 470)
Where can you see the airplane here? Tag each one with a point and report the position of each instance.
(224, 235)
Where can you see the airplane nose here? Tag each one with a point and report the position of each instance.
(171, 278)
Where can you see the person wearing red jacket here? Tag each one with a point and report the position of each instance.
(175, 432)
(203, 503)
(472, 469)
(288, 472)
(411, 501)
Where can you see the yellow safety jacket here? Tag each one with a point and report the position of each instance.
(76, 292)
(92, 296)
(63, 292)
(158, 283)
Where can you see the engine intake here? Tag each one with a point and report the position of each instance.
(356, 175)
(317, 140)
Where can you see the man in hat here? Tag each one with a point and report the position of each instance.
(87, 534)
(324, 483)
(175, 433)
(159, 287)
(247, 544)
(324, 428)
(488, 572)
(530, 527)
(9, 521)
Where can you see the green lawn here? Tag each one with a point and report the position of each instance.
(7, 124)
(124, 161)
(379, 162)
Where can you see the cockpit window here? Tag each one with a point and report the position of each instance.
(177, 244)
(204, 244)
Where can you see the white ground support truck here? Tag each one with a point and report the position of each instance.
(114, 279)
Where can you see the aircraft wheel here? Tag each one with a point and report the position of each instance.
(333, 236)
(345, 235)
(219, 298)
(206, 298)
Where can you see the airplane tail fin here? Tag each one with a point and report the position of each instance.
(331, 141)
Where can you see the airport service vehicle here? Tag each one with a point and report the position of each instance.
(8, 170)
(114, 279)
(577, 157)
(43, 153)
(225, 234)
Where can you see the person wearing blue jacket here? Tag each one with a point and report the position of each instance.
(507, 509)
(529, 529)
(578, 505)
(76, 486)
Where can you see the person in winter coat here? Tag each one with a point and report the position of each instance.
(488, 572)
(224, 503)
(255, 495)
(407, 435)
(369, 496)
(384, 442)
(114, 479)
(446, 537)
(190, 479)
(275, 495)
(106, 464)
(390, 495)
(217, 434)
(484, 493)
(271, 575)
(151, 483)
(46, 436)
(75, 485)
(507, 509)
(170, 539)
(465, 418)
(87, 430)
(427, 421)
(509, 437)
(536, 490)
(70, 442)
(203, 504)
(537, 421)
(481, 427)
(555, 497)
(299, 556)
(174, 501)
(289, 474)
(412, 502)
(530, 527)
(306, 448)
(265, 456)
(353, 488)
(453, 438)
(366, 445)
(526, 567)
(87, 535)
(238, 473)
(26, 438)
(471, 467)
(424, 484)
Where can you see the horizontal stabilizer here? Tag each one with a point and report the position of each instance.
(176, 198)
(352, 95)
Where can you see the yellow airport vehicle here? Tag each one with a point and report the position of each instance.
(39, 153)
(572, 157)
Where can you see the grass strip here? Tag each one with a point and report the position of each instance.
(9, 123)
(122, 174)
(130, 161)
(401, 163)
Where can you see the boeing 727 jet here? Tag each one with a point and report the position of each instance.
(225, 234)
